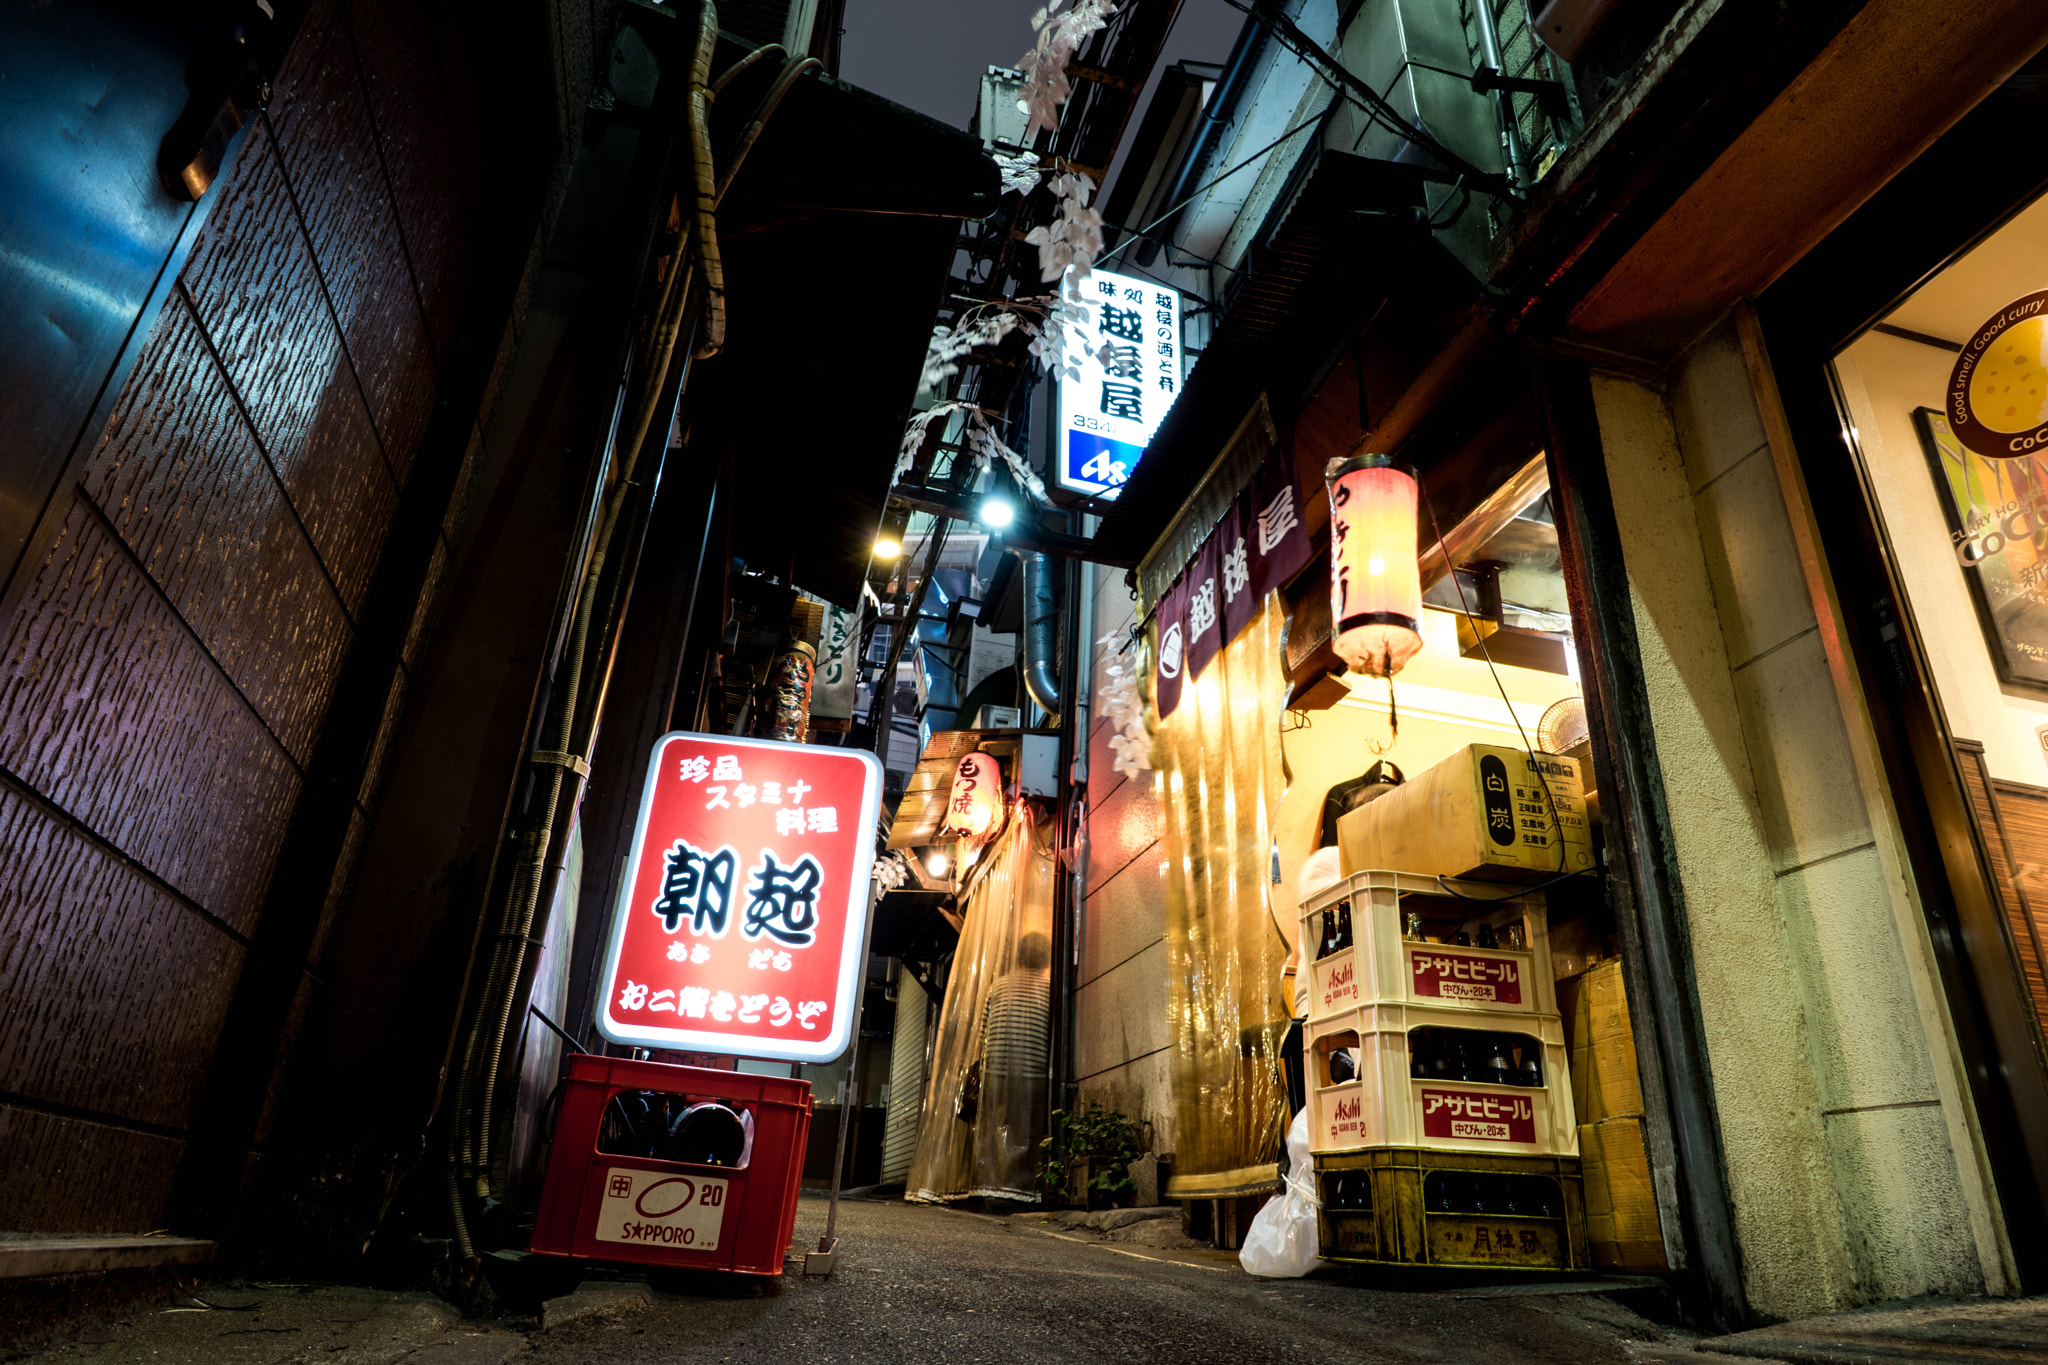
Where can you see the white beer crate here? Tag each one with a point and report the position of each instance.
(1385, 1105)
(1381, 965)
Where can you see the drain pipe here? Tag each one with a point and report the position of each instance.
(1040, 621)
(1512, 151)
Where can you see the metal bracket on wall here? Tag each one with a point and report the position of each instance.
(561, 760)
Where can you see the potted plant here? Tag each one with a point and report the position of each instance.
(1085, 1162)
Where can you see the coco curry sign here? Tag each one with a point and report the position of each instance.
(744, 911)
(1998, 390)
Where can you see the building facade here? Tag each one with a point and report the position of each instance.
(1653, 270)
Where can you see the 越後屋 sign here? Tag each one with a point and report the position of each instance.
(742, 919)
(1129, 357)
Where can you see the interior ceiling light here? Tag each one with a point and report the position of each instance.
(887, 547)
(937, 864)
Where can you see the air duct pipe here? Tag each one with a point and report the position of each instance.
(1040, 610)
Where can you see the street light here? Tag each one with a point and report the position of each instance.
(996, 513)
(887, 547)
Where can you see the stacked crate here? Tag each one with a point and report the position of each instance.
(1440, 1101)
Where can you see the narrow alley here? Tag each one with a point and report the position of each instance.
(927, 1285)
(1306, 681)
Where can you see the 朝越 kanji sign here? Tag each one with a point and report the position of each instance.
(744, 907)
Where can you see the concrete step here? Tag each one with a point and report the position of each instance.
(1924, 1332)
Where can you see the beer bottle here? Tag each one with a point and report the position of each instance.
(1485, 938)
(1494, 1066)
(1443, 1062)
(1343, 925)
(1532, 1071)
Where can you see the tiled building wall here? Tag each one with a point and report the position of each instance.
(1124, 1040)
(1849, 1161)
(174, 651)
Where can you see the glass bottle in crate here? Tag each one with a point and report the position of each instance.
(1494, 1066)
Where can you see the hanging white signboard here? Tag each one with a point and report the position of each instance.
(1129, 355)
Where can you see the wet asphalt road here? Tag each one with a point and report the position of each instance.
(930, 1286)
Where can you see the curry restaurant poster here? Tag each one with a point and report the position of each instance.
(1998, 525)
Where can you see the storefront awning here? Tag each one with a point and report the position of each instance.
(923, 807)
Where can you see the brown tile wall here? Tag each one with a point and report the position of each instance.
(165, 679)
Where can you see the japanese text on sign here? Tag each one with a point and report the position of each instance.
(743, 912)
(1481, 1117)
(1467, 976)
(1129, 354)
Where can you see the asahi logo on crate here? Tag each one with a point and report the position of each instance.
(1467, 976)
(1348, 1118)
(1340, 983)
(656, 1208)
(1478, 1117)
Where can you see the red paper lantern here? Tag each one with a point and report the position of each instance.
(974, 808)
(1375, 582)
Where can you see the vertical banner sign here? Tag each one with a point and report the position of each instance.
(1170, 662)
(832, 692)
(743, 914)
(1205, 606)
(1129, 356)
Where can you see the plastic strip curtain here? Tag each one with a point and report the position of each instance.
(984, 1107)
(1220, 781)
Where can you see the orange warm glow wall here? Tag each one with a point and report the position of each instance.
(1375, 584)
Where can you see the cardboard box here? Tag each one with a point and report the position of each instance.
(1621, 1206)
(1599, 1044)
(1482, 813)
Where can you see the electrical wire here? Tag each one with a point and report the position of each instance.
(1203, 189)
(1556, 822)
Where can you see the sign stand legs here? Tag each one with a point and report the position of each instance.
(820, 1262)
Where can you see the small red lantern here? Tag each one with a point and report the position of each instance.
(974, 808)
(1375, 582)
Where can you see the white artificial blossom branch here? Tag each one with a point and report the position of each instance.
(1118, 699)
(1074, 238)
(1020, 171)
(1060, 36)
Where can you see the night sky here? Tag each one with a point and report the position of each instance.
(929, 54)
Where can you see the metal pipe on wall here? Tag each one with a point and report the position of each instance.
(1041, 619)
(1513, 153)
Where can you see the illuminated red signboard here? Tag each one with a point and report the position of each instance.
(744, 914)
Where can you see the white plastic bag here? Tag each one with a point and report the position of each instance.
(1281, 1242)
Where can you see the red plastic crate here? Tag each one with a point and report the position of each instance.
(598, 1206)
